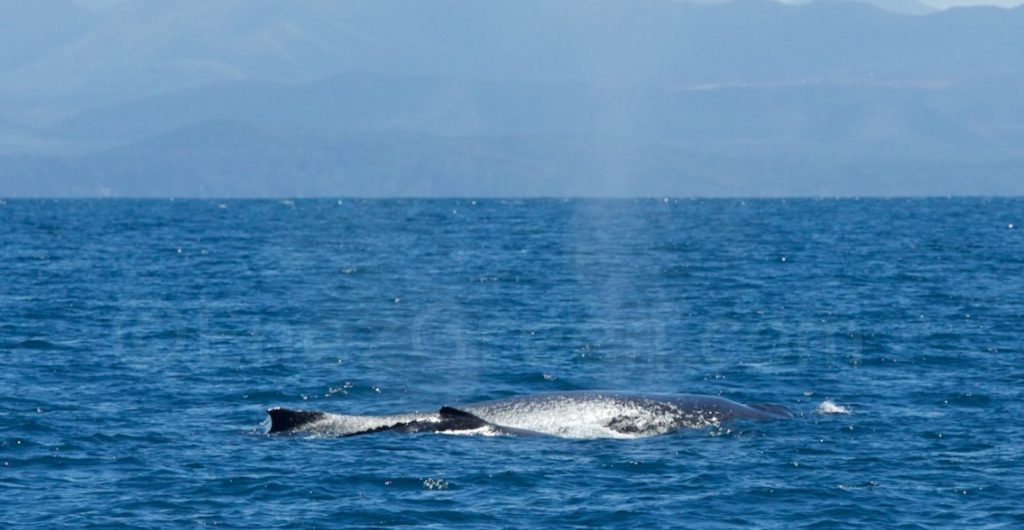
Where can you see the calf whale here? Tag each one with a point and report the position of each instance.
(566, 414)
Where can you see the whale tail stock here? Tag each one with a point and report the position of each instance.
(449, 419)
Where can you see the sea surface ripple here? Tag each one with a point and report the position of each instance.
(142, 341)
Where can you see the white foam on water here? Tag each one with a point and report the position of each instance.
(830, 407)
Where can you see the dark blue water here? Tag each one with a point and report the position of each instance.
(141, 342)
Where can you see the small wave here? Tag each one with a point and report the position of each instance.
(830, 407)
(33, 344)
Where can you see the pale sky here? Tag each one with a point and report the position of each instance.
(943, 4)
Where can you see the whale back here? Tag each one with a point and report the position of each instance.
(567, 414)
(611, 414)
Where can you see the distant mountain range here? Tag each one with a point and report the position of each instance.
(525, 97)
(905, 7)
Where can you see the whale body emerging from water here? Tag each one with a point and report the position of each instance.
(567, 414)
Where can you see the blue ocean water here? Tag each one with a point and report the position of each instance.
(142, 341)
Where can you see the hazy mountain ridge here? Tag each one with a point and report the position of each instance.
(903, 7)
(964, 114)
(537, 97)
(143, 49)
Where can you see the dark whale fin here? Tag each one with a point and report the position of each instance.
(284, 420)
(772, 410)
(453, 419)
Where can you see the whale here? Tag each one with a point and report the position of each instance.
(563, 414)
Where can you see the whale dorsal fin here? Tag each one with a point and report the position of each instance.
(284, 420)
(454, 419)
(450, 413)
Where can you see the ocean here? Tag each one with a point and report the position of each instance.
(141, 342)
